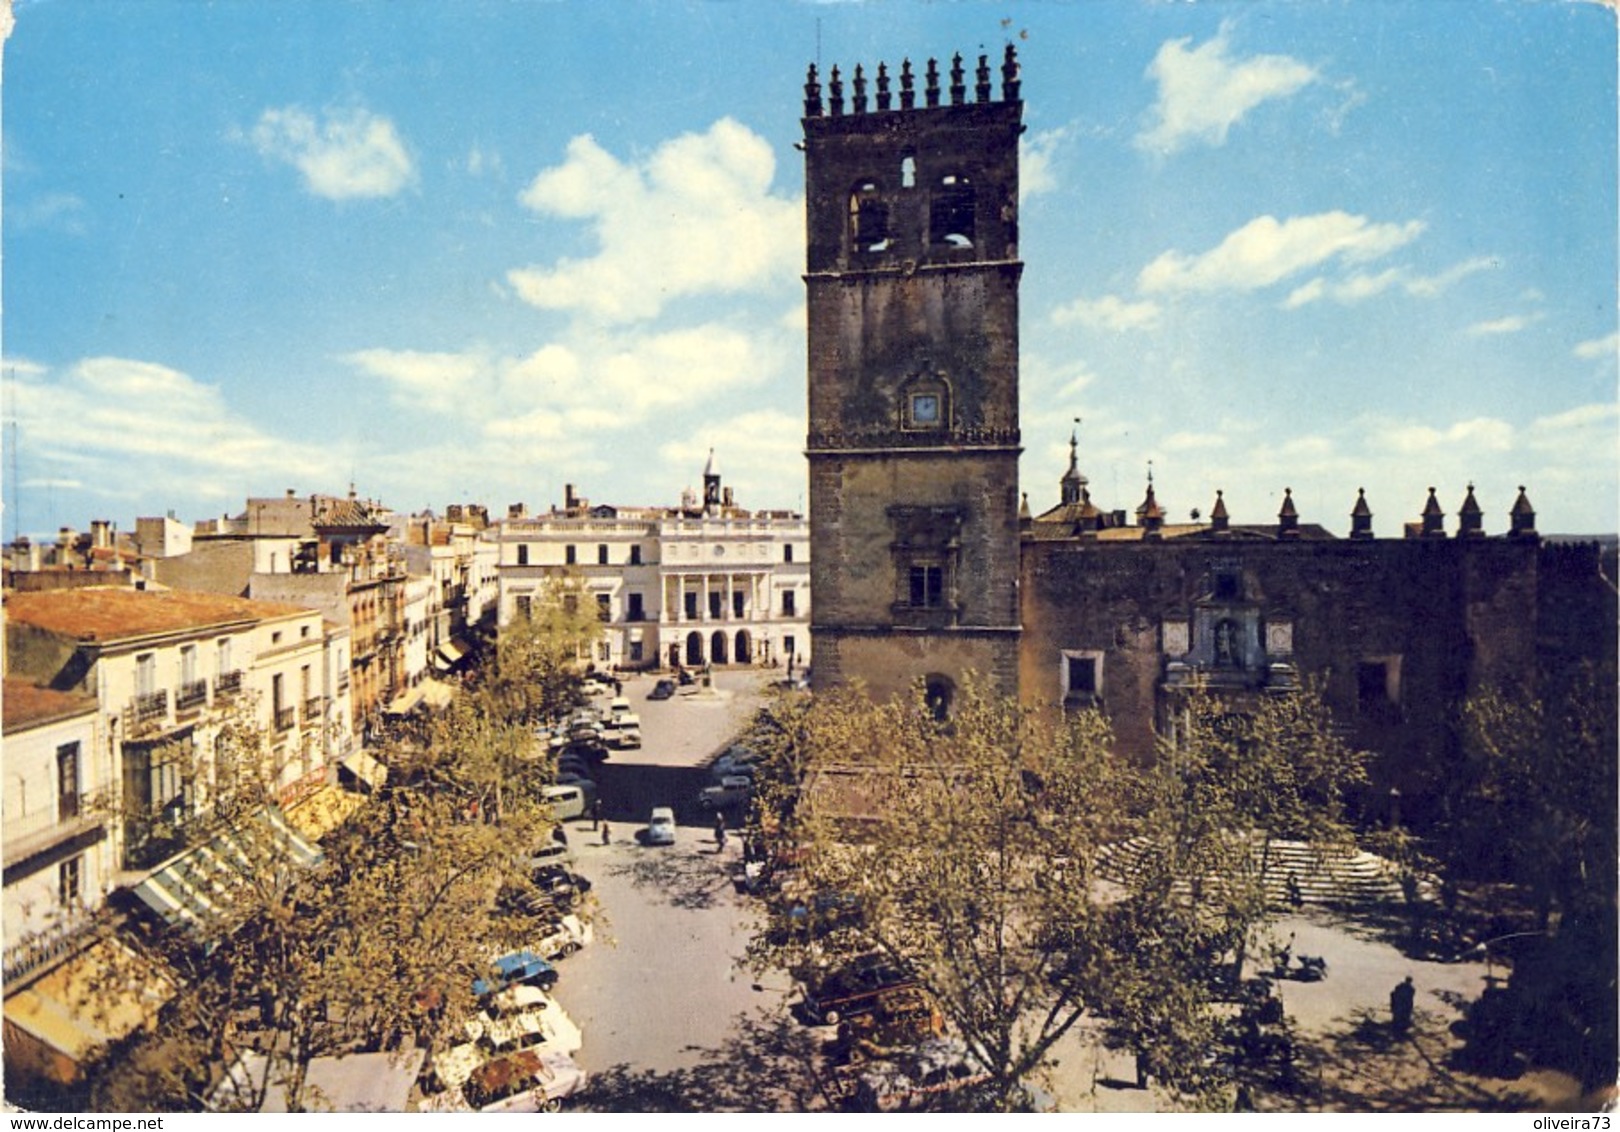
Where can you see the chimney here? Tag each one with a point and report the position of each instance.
(100, 533)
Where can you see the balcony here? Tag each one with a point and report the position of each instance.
(314, 707)
(286, 718)
(229, 683)
(147, 713)
(192, 694)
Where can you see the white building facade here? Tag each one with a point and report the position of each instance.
(690, 586)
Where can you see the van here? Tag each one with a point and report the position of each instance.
(565, 801)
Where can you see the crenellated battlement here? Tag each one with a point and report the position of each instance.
(956, 91)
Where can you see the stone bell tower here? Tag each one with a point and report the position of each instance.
(912, 280)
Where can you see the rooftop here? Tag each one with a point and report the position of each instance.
(27, 705)
(111, 614)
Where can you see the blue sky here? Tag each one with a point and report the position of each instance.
(475, 251)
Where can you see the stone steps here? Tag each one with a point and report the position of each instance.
(1324, 875)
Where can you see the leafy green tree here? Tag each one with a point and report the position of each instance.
(983, 852)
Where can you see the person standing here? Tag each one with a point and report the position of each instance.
(1401, 1001)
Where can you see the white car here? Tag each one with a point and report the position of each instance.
(526, 1081)
(524, 1018)
(661, 826)
(567, 936)
(626, 731)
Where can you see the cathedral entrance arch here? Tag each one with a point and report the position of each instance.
(717, 647)
(743, 652)
(694, 649)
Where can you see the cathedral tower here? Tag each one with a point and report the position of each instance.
(912, 292)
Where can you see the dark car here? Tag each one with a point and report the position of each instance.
(854, 990)
(662, 690)
(561, 885)
(513, 968)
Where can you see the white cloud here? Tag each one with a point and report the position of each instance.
(1558, 428)
(112, 421)
(697, 216)
(1035, 157)
(1203, 92)
(1508, 324)
(61, 212)
(434, 382)
(1266, 250)
(1109, 313)
(586, 384)
(1480, 434)
(346, 154)
(1358, 286)
(1597, 349)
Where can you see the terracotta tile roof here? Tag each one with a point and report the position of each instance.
(109, 613)
(27, 705)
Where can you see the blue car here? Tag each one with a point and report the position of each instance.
(517, 967)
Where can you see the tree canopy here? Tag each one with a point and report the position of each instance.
(975, 851)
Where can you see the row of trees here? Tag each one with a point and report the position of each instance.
(375, 946)
(987, 854)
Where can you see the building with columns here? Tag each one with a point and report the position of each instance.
(705, 582)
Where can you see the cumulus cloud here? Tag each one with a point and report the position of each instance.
(1109, 313)
(1597, 349)
(1204, 91)
(111, 420)
(696, 216)
(587, 384)
(1481, 434)
(436, 382)
(1035, 157)
(344, 154)
(1267, 250)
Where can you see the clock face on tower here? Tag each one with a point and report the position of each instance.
(925, 408)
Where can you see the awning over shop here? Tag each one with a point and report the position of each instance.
(325, 810)
(451, 653)
(197, 888)
(99, 996)
(366, 769)
(432, 693)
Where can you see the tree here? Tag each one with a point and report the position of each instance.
(1534, 804)
(974, 851)
(536, 673)
(966, 850)
(378, 943)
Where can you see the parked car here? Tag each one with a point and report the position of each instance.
(617, 708)
(661, 826)
(516, 968)
(441, 1084)
(662, 690)
(627, 730)
(854, 989)
(526, 1081)
(734, 760)
(727, 794)
(564, 937)
(561, 886)
(566, 801)
(523, 1018)
(915, 1078)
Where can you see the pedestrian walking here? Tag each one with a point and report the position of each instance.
(596, 813)
(607, 834)
(719, 830)
(1401, 1001)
